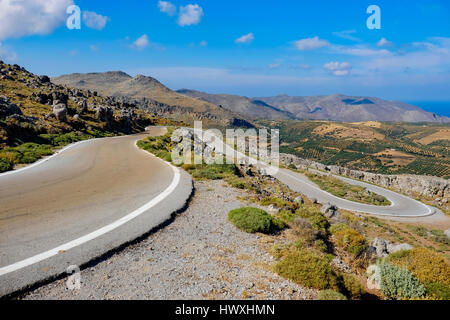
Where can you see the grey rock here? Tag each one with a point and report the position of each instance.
(104, 114)
(447, 233)
(60, 112)
(380, 246)
(330, 211)
(341, 265)
(272, 209)
(299, 200)
(394, 248)
(8, 109)
(82, 107)
(44, 79)
(383, 247)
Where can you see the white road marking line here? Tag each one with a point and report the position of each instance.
(95, 234)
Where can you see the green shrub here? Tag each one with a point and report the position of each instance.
(317, 218)
(399, 283)
(309, 268)
(278, 202)
(352, 286)
(330, 295)
(338, 227)
(438, 290)
(253, 220)
(428, 266)
(303, 229)
(286, 215)
(440, 236)
(351, 241)
(5, 165)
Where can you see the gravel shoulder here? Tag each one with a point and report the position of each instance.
(200, 255)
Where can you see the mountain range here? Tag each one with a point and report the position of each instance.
(237, 110)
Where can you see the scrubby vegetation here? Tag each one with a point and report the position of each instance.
(349, 239)
(254, 220)
(347, 191)
(399, 283)
(330, 295)
(426, 265)
(308, 267)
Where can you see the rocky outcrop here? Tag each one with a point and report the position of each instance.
(427, 186)
(383, 248)
(60, 112)
(104, 114)
(7, 108)
(82, 107)
(330, 211)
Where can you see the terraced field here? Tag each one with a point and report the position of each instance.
(379, 147)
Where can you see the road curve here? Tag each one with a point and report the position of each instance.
(401, 206)
(81, 203)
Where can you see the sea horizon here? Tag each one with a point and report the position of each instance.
(441, 108)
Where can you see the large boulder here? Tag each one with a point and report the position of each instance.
(330, 211)
(7, 108)
(383, 248)
(82, 107)
(105, 114)
(44, 79)
(60, 112)
(60, 97)
(447, 233)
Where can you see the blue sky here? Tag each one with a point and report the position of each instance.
(252, 48)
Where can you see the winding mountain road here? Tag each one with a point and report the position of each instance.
(82, 202)
(401, 206)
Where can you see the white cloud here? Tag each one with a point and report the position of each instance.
(347, 34)
(28, 17)
(94, 48)
(141, 42)
(7, 54)
(361, 51)
(384, 43)
(203, 43)
(338, 68)
(245, 38)
(274, 65)
(310, 43)
(94, 20)
(190, 15)
(167, 7)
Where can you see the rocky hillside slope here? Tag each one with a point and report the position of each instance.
(247, 107)
(153, 96)
(351, 109)
(31, 105)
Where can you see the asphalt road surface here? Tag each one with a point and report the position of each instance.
(82, 202)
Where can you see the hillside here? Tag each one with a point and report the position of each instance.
(378, 147)
(344, 108)
(247, 107)
(37, 116)
(153, 96)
